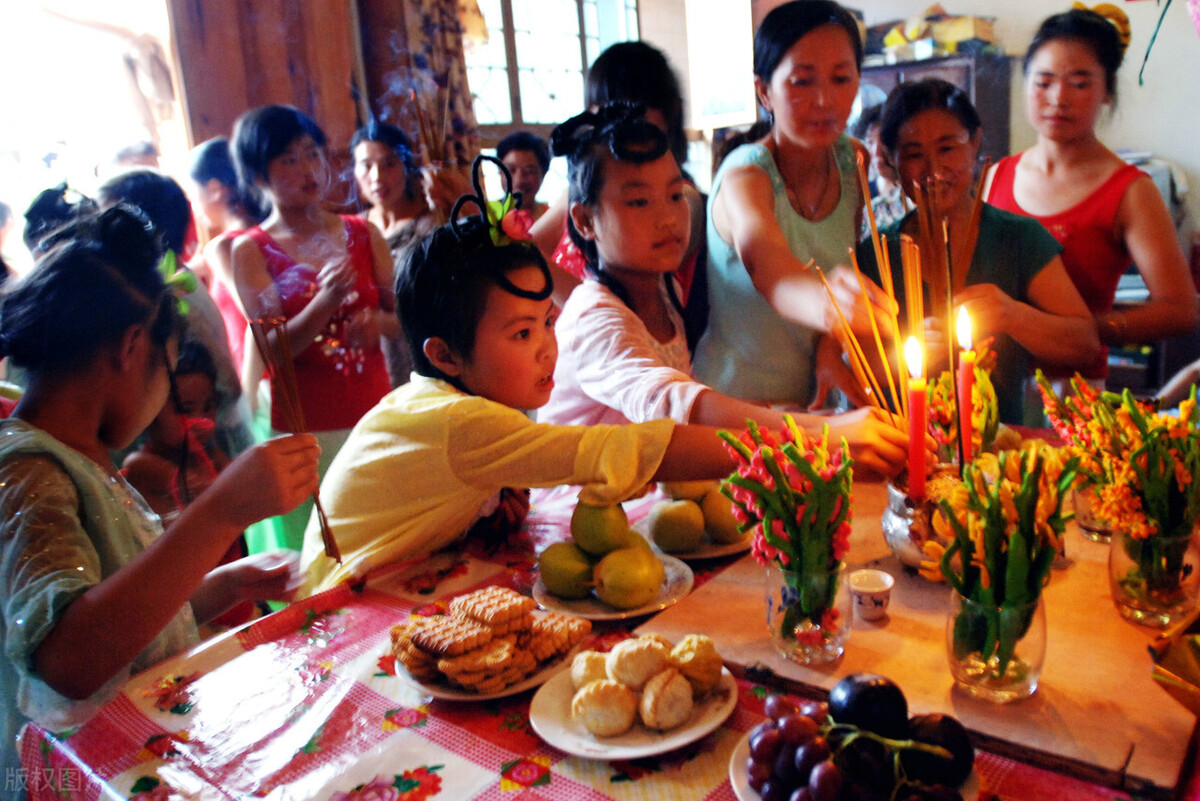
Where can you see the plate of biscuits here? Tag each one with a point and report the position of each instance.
(642, 698)
(491, 643)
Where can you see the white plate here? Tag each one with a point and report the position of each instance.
(445, 691)
(706, 549)
(677, 582)
(550, 716)
(741, 780)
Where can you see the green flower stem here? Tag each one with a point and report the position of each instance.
(736, 444)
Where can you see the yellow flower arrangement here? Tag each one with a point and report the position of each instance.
(1153, 496)
(1144, 463)
(1004, 527)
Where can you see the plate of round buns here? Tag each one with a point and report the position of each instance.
(491, 643)
(550, 715)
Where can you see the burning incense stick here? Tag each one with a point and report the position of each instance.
(887, 366)
(967, 252)
(950, 348)
(885, 275)
(858, 360)
(914, 292)
(275, 348)
(426, 133)
(865, 183)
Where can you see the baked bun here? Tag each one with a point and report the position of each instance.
(588, 666)
(633, 662)
(658, 638)
(697, 659)
(605, 708)
(666, 700)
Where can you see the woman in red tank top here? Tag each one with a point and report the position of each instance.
(1105, 213)
(328, 276)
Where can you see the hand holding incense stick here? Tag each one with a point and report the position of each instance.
(887, 367)
(858, 360)
(274, 346)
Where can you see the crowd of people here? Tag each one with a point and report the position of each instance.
(145, 456)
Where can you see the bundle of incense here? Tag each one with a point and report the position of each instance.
(865, 182)
(275, 348)
(883, 356)
(914, 288)
(885, 275)
(950, 349)
(432, 135)
(858, 360)
(879, 243)
(933, 244)
(962, 258)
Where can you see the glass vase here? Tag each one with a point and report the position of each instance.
(1091, 525)
(808, 613)
(1155, 581)
(996, 652)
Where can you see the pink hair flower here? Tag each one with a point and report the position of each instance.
(516, 225)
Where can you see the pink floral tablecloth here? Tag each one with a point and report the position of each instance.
(305, 704)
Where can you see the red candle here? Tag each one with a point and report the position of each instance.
(918, 420)
(966, 384)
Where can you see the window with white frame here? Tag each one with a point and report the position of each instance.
(530, 73)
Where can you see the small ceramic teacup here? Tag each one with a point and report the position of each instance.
(871, 590)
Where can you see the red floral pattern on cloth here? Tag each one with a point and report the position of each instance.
(298, 699)
(412, 785)
(171, 694)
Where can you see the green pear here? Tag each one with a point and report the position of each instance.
(628, 578)
(719, 522)
(600, 529)
(676, 526)
(636, 540)
(566, 570)
(686, 490)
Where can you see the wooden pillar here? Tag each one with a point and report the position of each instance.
(237, 54)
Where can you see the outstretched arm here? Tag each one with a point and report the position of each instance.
(744, 216)
(85, 649)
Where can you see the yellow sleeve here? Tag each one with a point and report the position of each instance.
(504, 448)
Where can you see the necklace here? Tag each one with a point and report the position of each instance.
(809, 210)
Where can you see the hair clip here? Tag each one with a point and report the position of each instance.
(1115, 15)
(621, 124)
(507, 222)
(179, 282)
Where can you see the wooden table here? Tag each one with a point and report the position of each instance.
(1097, 714)
(305, 705)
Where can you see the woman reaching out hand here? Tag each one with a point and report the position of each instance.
(776, 204)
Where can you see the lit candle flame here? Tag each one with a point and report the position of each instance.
(964, 328)
(914, 358)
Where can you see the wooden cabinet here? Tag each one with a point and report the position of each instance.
(986, 78)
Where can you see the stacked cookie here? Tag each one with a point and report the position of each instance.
(490, 639)
(644, 677)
